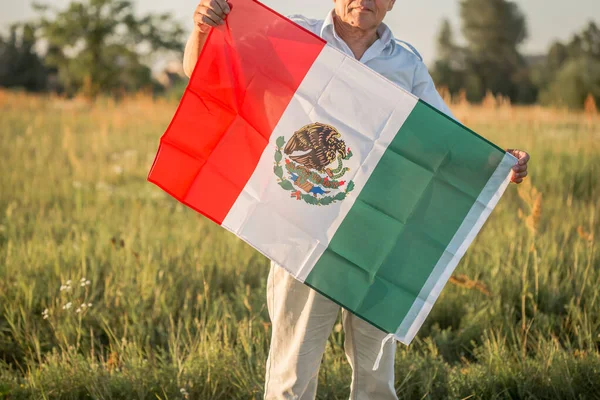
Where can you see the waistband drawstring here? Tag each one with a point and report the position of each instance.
(383, 342)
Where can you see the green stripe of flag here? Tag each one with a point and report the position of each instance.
(408, 212)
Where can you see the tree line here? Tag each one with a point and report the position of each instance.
(101, 46)
(91, 47)
(491, 62)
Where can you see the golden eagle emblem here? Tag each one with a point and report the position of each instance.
(314, 161)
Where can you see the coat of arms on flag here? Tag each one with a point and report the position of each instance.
(314, 163)
(356, 187)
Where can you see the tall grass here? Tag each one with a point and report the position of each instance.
(175, 306)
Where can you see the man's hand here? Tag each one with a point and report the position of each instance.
(210, 13)
(520, 168)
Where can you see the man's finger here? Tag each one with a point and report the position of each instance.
(214, 16)
(516, 179)
(521, 175)
(524, 158)
(206, 20)
(220, 5)
(521, 155)
(209, 17)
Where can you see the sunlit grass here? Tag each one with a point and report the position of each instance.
(165, 304)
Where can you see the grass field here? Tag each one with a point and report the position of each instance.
(175, 306)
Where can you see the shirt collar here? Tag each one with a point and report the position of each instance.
(385, 33)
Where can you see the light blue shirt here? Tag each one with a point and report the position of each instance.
(396, 60)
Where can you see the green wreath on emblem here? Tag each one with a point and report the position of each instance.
(307, 176)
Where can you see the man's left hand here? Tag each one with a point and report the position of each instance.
(520, 168)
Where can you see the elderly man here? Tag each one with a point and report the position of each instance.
(302, 319)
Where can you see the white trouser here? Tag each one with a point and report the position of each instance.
(302, 320)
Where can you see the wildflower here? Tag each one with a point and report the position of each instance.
(45, 313)
(67, 286)
(89, 305)
(78, 310)
(87, 283)
(67, 306)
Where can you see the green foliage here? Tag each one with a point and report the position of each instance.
(327, 200)
(310, 199)
(20, 66)
(449, 68)
(278, 171)
(287, 185)
(175, 92)
(573, 82)
(340, 196)
(280, 142)
(572, 70)
(350, 186)
(490, 61)
(101, 46)
(493, 28)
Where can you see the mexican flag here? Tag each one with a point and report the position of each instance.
(353, 185)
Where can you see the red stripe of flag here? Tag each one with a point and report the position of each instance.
(245, 77)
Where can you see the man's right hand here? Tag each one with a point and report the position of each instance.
(210, 13)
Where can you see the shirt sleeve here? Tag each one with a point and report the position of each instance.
(424, 88)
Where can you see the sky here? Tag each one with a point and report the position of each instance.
(416, 22)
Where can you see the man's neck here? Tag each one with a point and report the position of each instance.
(357, 39)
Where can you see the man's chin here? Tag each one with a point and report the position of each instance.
(364, 23)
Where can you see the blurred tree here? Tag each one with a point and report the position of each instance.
(493, 30)
(101, 46)
(557, 55)
(492, 25)
(572, 71)
(449, 68)
(20, 66)
(490, 61)
(587, 43)
(446, 47)
(578, 78)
